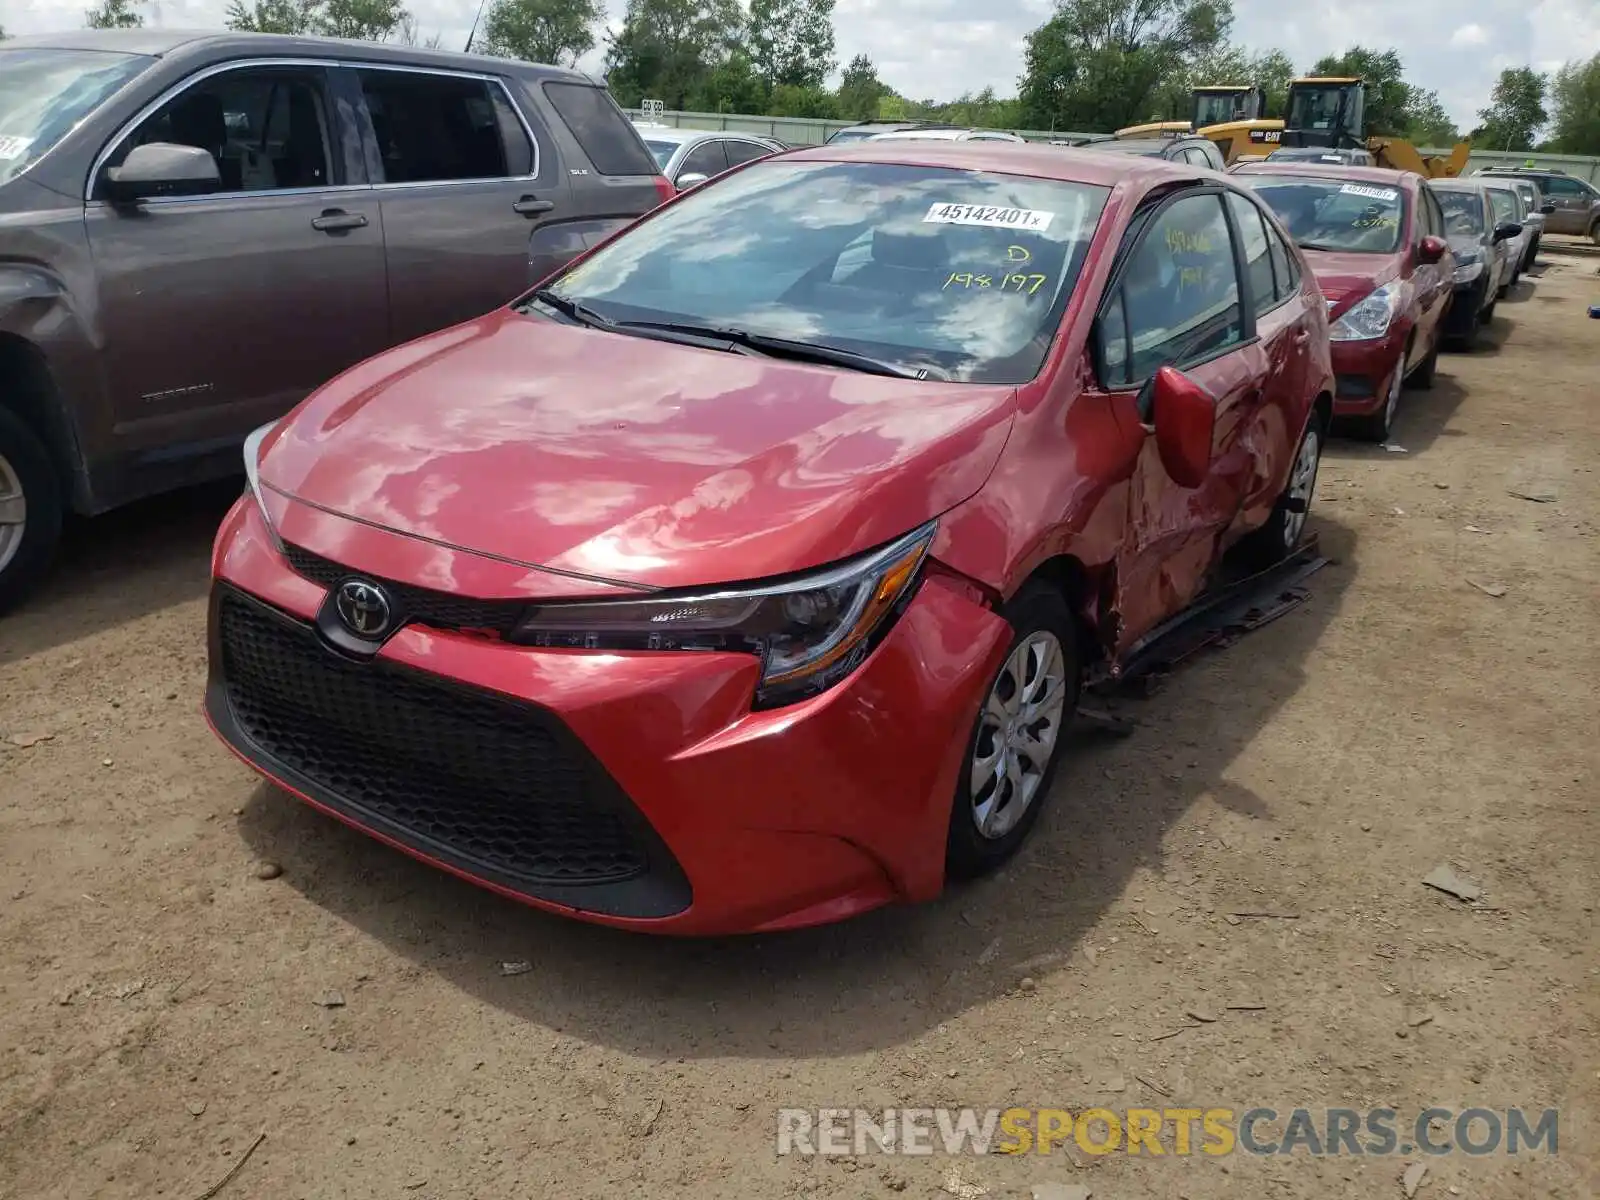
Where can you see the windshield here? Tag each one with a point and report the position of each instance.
(1334, 214)
(1213, 108)
(961, 274)
(1317, 108)
(44, 93)
(850, 135)
(662, 151)
(1463, 212)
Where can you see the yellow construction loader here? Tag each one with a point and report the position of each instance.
(1210, 105)
(1330, 112)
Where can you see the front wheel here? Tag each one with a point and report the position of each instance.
(1375, 427)
(1017, 739)
(1281, 533)
(30, 510)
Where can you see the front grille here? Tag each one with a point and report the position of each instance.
(424, 606)
(500, 788)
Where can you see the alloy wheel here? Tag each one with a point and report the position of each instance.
(1302, 482)
(13, 512)
(1017, 733)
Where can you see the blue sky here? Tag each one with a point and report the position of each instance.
(940, 48)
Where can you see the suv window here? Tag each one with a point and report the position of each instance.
(1257, 257)
(602, 131)
(1558, 185)
(267, 127)
(1178, 300)
(434, 128)
(708, 159)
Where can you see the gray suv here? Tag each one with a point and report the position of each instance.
(196, 230)
(1576, 203)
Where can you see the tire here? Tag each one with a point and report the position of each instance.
(1594, 233)
(986, 828)
(1280, 534)
(1375, 427)
(1422, 377)
(30, 510)
(1488, 313)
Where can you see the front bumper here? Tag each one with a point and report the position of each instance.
(1363, 370)
(631, 789)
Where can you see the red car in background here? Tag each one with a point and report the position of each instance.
(1376, 240)
(744, 576)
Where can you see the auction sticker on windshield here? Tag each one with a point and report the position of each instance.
(1371, 193)
(13, 146)
(987, 214)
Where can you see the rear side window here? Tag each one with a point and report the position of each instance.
(602, 131)
(437, 128)
(740, 153)
(1257, 256)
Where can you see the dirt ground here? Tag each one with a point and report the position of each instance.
(161, 1006)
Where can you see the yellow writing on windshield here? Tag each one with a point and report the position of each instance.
(1181, 241)
(1024, 284)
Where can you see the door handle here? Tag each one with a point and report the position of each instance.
(528, 206)
(334, 219)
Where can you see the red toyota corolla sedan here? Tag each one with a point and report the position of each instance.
(743, 576)
(1376, 240)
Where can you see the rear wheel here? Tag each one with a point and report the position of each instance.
(1017, 739)
(30, 510)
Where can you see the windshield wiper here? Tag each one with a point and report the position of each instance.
(780, 347)
(573, 309)
(1319, 246)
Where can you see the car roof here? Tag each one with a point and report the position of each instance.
(1346, 172)
(674, 133)
(163, 42)
(1040, 161)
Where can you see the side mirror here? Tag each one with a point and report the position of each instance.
(1506, 229)
(1185, 416)
(163, 169)
(690, 179)
(1547, 208)
(1431, 249)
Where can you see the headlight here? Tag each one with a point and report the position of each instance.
(1468, 268)
(252, 475)
(1370, 318)
(809, 632)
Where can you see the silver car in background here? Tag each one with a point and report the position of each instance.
(1509, 207)
(691, 156)
(946, 135)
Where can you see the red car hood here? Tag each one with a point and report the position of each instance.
(1345, 279)
(625, 459)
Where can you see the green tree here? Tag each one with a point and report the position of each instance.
(732, 86)
(272, 16)
(113, 14)
(362, 20)
(1516, 111)
(1427, 122)
(1101, 64)
(543, 31)
(666, 49)
(1388, 94)
(1575, 93)
(791, 41)
(795, 100)
(860, 90)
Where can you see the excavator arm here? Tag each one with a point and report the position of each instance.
(1401, 155)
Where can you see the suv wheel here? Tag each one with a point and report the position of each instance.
(30, 509)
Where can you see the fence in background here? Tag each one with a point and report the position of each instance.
(801, 131)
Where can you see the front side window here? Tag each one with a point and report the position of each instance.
(1334, 214)
(266, 127)
(44, 93)
(740, 153)
(439, 128)
(708, 159)
(1504, 205)
(1570, 189)
(957, 273)
(1178, 298)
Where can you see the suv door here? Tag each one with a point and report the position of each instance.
(221, 311)
(1176, 300)
(464, 192)
(1572, 198)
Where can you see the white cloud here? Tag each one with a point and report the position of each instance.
(937, 49)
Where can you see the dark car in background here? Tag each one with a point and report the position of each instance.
(1197, 151)
(1341, 155)
(198, 229)
(1482, 263)
(689, 157)
(1375, 241)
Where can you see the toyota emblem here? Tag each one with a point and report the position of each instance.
(364, 608)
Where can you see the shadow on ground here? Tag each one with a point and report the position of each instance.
(121, 566)
(863, 985)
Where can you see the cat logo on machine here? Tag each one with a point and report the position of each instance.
(1270, 136)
